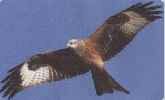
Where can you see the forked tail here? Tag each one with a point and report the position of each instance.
(104, 83)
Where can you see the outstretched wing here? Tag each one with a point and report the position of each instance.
(41, 68)
(120, 29)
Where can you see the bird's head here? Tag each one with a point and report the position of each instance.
(73, 43)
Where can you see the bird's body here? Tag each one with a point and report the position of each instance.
(84, 55)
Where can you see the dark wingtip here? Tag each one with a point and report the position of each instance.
(147, 4)
(155, 7)
(15, 68)
(10, 91)
(122, 89)
(11, 83)
(5, 79)
(148, 10)
(12, 94)
(126, 91)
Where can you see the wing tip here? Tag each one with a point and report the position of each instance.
(10, 91)
(125, 91)
(149, 10)
(11, 83)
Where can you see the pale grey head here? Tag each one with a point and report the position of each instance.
(74, 43)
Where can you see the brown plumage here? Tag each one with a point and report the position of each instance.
(84, 55)
(65, 63)
(120, 29)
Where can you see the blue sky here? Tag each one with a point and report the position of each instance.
(31, 26)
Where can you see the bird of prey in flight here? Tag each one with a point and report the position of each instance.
(84, 55)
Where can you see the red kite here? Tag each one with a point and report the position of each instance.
(84, 55)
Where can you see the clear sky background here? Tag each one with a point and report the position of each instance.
(31, 26)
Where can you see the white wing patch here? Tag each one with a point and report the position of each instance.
(135, 23)
(30, 77)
